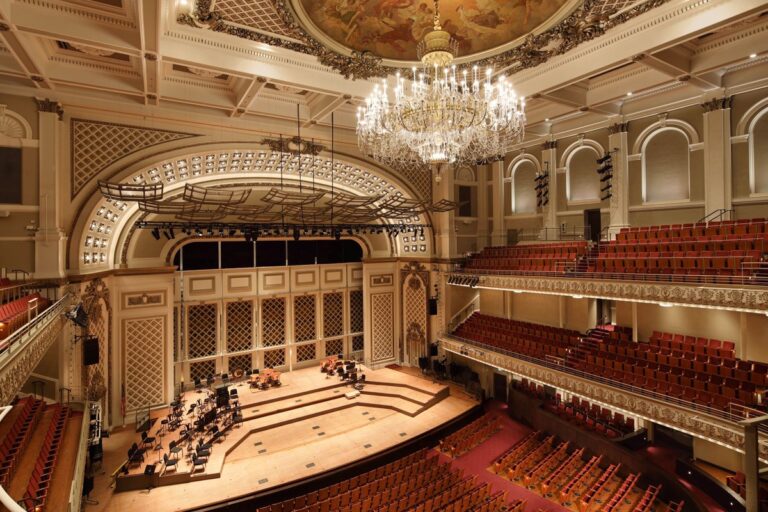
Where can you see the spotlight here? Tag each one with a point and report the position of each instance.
(156, 233)
(296, 234)
(168, 234)
(232, 232)
(337, 234)
(198, 232)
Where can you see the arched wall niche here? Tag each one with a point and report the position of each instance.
(758, 152)
(520, 175)
(666, 165)
(109, 223)
(582, 183)
(13, 128)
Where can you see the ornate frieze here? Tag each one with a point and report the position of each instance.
(618, 128)
(718, 104)
(46, 105)
(748, 299)
(697, 423)
(295, 146)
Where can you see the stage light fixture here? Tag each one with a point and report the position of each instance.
(155, 233)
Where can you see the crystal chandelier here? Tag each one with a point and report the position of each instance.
(442, 115)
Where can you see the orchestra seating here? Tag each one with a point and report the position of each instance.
(47, 458)
(565, 475)
(417, 482)
(704, 376)
(552, 257)
(470, 436)
(17, 438)
(16, 313)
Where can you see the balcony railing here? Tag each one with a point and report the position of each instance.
(20, 336)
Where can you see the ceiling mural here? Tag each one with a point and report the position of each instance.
(392, 28)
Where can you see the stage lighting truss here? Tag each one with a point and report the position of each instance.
(350, 201)
(284, 198)
(131, 192)
(215, 196)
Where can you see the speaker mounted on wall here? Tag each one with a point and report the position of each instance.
(91, 350)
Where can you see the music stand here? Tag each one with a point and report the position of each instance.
(149, 472)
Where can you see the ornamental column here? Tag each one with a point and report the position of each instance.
(619, 203)
(482, 206)
(498, 235)
(717, 154)
(50, 239)
(549, 161)
(444, 222)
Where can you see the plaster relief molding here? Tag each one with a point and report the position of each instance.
(47, 105)
(731, 38)
(696, 423)
(751, 299)
(186, 82)
(726, 102)
(91, 64)
(68, 9)
(618, 128)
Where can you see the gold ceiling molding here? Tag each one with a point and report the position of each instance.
(590, 20)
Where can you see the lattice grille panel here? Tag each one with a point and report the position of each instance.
(306, 352)
(239, 325)
(274, 358)
(273, 322)
(415, 317)
(334, 347)
(382, 328)
(241, 362)
(96, 374)
(259, 14)
(144, 341)
(201, 332)
(333, 314)
(97, 145)
(356, 311)
(358, 343)
(304, 318)
(202, 369)
(175, 334)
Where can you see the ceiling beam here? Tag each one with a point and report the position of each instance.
(322, 105)
(247, 95)
(29, 61)
(149, 41)
(676, 63)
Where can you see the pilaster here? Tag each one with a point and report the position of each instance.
(482, 206)
(50, 239)
(498, 236)
(549, 161)
(717, 154)
(619, 203)
(444, 223)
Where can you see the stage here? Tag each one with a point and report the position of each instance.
(303, 428)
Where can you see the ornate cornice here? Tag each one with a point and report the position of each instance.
(694, 422)
(46, 105)
(550, 144)
(751, 299)
(295, 146)
(718, 104)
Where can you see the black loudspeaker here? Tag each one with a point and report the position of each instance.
(432, 307)
(222, 396)
(91, 350)
(149, 470)
(433, 349)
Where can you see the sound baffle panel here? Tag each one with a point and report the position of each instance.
(242, 362)
(144, 342)
(201, 330)
(239, 325)
(382, 326)
(306, 352)
(202, 369)
(304, 318)
(356, 311)
(333, 314)
(334, 347)
(274, 358)
(358, 343)
(273, 322)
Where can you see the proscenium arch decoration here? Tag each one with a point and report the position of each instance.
(512, 169)
(565, 161)
(103, 225)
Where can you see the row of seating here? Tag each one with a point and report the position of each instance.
(18, 437)
(709, 229)
(534, 257)
(18, 312)
(742, 243)
(40, 481)
(470, 436)
(593, 417)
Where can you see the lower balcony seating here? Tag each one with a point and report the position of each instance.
(418, 483)
(16, 313)
(590, 416)
(690, 374)
(39, 484)
(470, 436)
(17, 438)
(553, 257)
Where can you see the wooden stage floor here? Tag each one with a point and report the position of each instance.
(300, 429)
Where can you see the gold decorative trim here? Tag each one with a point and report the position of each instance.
(143, 299)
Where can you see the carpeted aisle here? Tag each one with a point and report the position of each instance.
(477, 461)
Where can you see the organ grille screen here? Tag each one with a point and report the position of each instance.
(201, 332)
(274, 358)
(273, 322)
(241, 362)
(202, 369)
(144, 341)
(333, 315)
(334, 347)
(239, 325)
(304, 318)
(305, 352)
(358, 343)
(356, 311)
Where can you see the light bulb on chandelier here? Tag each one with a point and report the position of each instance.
(441, 115)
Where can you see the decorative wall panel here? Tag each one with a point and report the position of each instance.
(415, 318)
(333, 314)
(242, 362)
(306, 352)
(382, 326)
(304, 318)
(201, 330)
(202, 369)
(358, 343)
(96, 145)
(334, 347)
(144, 340)
(239, 325)
(273, 322)
(274, 358)
(356, 311)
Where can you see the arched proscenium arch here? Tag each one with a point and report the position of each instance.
(100, 228)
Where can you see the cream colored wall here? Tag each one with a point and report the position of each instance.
(578, 314)
(492, 302)
(536, 308)
(717, 455)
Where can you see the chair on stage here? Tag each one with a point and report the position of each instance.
(198, 462)
(147, 440)
(198, 384)
(175, 449)
(168, 463)
(135, 455)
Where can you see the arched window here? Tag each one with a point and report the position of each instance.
(582, 180)
(666, 166)
(523, 187)
(758, 153)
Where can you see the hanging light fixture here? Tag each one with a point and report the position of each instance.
(442, 114)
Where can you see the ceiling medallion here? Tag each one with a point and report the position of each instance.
(443, 115)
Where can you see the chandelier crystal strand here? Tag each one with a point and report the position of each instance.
(442, 114)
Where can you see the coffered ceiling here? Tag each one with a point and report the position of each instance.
(201, 62)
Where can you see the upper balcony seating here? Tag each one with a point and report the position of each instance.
(16, 313)
(552, 257)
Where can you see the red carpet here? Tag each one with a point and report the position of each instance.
(477, 460)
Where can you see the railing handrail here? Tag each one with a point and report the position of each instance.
(714, 215)
(76, 489)
(471, 303)
(733, 419)
(16, 337)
